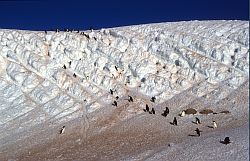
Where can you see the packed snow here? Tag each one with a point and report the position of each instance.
(50, 79)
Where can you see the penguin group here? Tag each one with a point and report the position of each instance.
(147, 110)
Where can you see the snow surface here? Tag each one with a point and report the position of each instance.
(195, 64)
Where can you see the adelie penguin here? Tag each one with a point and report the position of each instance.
(153, 111)
(198, 131)
(64, 66)
(147, 108)
(183, 113)
(111, 91)
(175, 121)
(152, 99)
(117, 97)
(197, 120)
(74, 75)
(166, 112)
(214, 125)
(114, 104)
(62, 130)
(226, 141)
(116, 68)
(130, 99)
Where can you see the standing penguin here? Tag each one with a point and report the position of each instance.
(114, 104)
(147, 108)
(62, 130)
(111, 91)
(198, 132)
(197, 120)
(214, 125)
(116, 68)
(153, 111)
(175, 121)
(183, 113)
(130, 99)
(167, 110)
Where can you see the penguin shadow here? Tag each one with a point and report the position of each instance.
(163, 114)
(210, 126)
(224, 142)
(193, 135)
(172, 123)
(194, 122)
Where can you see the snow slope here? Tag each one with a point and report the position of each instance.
(50, 79)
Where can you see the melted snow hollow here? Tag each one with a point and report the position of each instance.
(160, 60)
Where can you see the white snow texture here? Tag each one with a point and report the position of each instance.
(208, 58)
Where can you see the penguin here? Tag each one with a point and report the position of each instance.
(152, 99)
(74, 75)
(198, 132)
(64, 66)
(57, 30)
(147, 108)
(226, 141)
(116, 68)
(45, 31)
(111, 91)
(183, 113)
(69, 63)
(153, 111)
(214, 125)
(130, 99)
(117, 97)
(175, 121)
(167, 110)
(114, 104)
(62, 130)
(197, 120)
